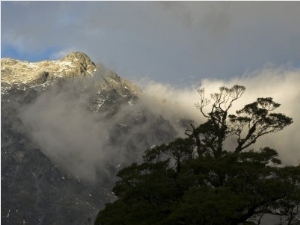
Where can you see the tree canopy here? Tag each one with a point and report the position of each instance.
(195, 180)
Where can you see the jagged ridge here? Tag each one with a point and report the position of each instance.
(24, 74)
(35, 189)
(17, 71)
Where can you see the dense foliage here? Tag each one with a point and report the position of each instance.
(195, 180)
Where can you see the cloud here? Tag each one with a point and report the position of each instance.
(87, 144)
(212, 17)
(171, 102)
(166, 41)
(280, 83)
(65, 131)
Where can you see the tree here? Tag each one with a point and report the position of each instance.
(194, 180)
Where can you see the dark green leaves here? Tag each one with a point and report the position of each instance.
(194, 180)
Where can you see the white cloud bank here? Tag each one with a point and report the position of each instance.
(76, 139)
(280, 83)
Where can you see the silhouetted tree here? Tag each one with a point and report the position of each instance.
(194, 180)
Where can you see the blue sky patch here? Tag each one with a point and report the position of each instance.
(9, 51)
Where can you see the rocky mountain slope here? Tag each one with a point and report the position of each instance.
(16, 71)
(42, 178)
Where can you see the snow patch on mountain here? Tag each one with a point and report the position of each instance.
(24, 72)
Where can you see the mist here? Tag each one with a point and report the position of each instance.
(78, 140)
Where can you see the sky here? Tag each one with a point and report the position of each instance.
(176, 43)
(171, 49)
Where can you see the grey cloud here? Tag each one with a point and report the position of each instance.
(214, 17)
(165, 41)
(84, 143)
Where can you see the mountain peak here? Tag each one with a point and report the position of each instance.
(80, 58)
(74, 64)
(77, 56)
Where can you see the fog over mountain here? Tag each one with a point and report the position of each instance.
(70, 133)
(89, 126)
(66, 131)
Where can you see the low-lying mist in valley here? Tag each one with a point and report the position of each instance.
(86, 144)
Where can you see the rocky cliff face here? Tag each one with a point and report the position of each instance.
(40, 187)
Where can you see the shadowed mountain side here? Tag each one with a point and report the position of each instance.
(65, 137)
